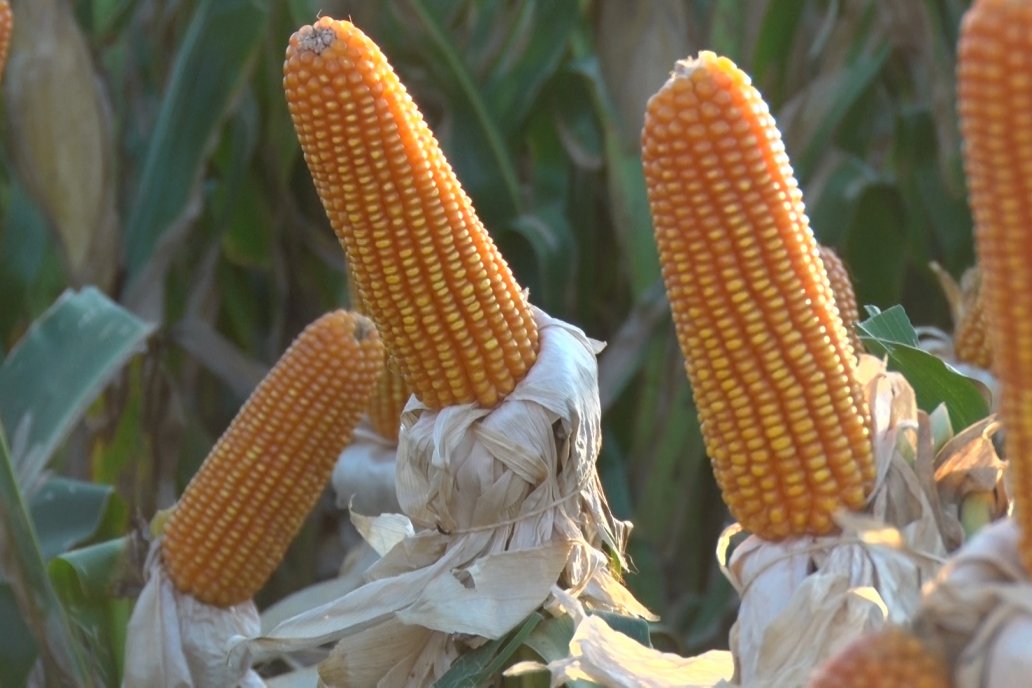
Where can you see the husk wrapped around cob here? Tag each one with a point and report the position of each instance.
(801, 432)
(230, 529)
(495, 463)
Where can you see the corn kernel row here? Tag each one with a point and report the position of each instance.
(232, 526)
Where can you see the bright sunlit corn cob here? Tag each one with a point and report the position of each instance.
(452, 317)
(6, 24)
(970, 334)
(769, 360)
(994, 89)
(236, 518)
(845, 297)
(888, 658)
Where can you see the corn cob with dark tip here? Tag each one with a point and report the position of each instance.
(451, 315)
(6, 25)
(888, 658)
(994, 89)
(232, 526)
(845, 297)
(771, 367)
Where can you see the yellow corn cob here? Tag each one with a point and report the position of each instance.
(235, 520)
(845, 298)
(994, 89)
(970, 336)
(889, 658)
(771, 368)
(451, 315)
(391, 393)
(6, 24)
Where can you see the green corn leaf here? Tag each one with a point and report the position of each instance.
(209, 70)
(889, 333)
(59, 367)
(65, 661)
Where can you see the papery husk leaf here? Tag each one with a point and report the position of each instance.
(831, 589)
(363, 477)
(352, 575)
(505, 503)
(979, 611)
(610, 658)
(382, 532)
(174, 640)
(61, 137)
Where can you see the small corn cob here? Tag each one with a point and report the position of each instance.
(451, 315)
(784, 421)
(970, 335)
(6, 25)
(845, 298)
(888, 658)
(391, 393)
(994, 89)
(236, 518)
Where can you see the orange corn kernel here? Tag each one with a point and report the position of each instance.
(784, 421)
(995, 104)
(970, 333)
(889, 658)
(232, 526)
(451, 315)
(845, 297)
(6, 25)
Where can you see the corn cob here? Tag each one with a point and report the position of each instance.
(888, 658)
(451, 315)
(845, 298)
(236, 518)
(6, 25)
(970, 335)
(784, 422)
(995, 101)
(391, 393)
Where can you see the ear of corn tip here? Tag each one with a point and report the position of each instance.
(845, 297)
(6, 25)
(888, 658)
(994, 90)
(452, 317)
(232, 526)
(970, 332)
(771, 368)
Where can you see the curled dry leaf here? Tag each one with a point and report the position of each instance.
(64, 150)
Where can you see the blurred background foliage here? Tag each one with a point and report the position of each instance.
(147, 151)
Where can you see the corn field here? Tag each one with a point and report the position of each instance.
(170, 224)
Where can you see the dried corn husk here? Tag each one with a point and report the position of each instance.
(979, 610)
(364, 475)
(831, 589)
(609, 658)
(177, 641)
(505, 503)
